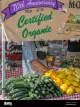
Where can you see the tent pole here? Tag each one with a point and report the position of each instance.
(3, 63)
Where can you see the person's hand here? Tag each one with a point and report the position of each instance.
(39, 67)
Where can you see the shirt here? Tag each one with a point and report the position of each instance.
(29, 54)
(74, 46)
(29, 51)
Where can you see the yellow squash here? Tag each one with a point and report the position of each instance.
(67, 82)
(77, 89)
(64, 87)
(75, 84)
(70, 91)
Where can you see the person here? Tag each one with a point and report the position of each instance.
(31, 63)
(73, 48)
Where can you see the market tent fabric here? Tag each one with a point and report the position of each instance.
(14, 57)
(55, 25)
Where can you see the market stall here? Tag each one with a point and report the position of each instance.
(54, 85)
(62, 81)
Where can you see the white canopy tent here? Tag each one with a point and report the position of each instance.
(3, 35)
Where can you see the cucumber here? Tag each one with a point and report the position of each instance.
(18, 85)
(0, 92)
(32, 90)
(8, 85)
(17, 97)
(52, 88)
(45, 86)
(32, 85)
(0, 82)
(15, 91)
(49, 85)
(26, 98)
(9, 97)
(57, 88)
(20, 97)
(37, 92)
(57, 91)
(10, 80)
(50, 95)
(18, 94)
(53, 91)
(55, 95)
(48, 89)
(59, 95)
(46, 81)
(43, 92)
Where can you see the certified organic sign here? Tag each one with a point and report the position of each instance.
(30, 19)
(35, 20)
(38, 19)
(26, 4)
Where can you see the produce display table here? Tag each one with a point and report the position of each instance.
(14, 57)
(2, 98)
(75, 96)
(14, 73)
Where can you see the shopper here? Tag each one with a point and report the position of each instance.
(31, 63)
(73, 48)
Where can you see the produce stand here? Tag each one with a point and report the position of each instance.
(17, 72)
